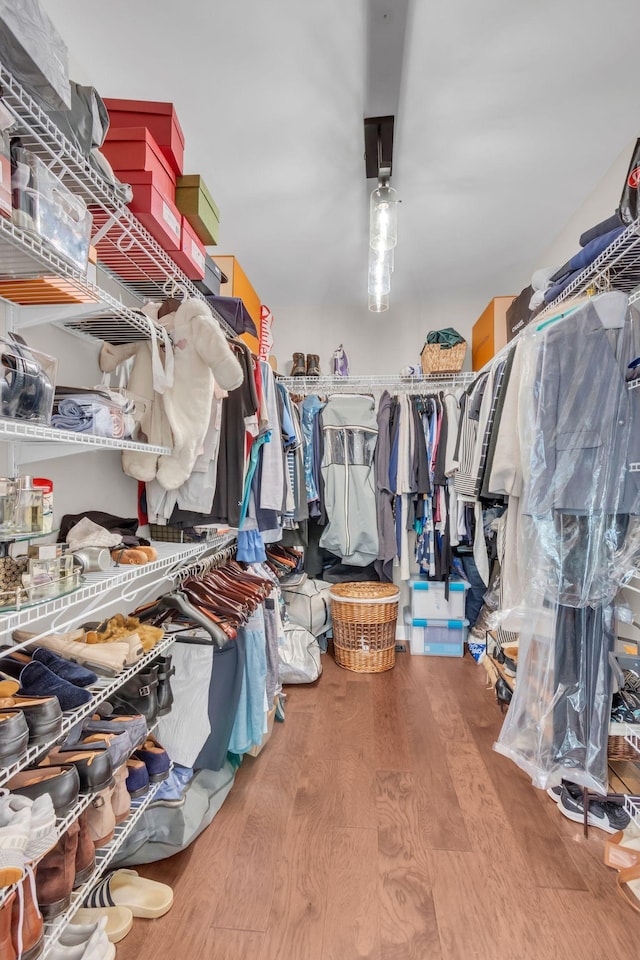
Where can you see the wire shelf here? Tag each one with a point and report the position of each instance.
(102, 691)
(16, 430)
(632, 738)
(101, 583)
(368, 384)
(127, 249)
(632, 806)
(104, 857)
(617, 267)
(62, 826)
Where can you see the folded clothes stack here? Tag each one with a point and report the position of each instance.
(87, 411)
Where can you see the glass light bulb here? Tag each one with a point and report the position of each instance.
(378, 303)
(379, 281)
(383, 218)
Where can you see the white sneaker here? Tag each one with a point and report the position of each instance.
(15, 832)
(84, 942)
(43, 835)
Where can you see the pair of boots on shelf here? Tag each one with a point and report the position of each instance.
(309, 369)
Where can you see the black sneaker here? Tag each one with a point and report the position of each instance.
(609, 817)
(556, 792)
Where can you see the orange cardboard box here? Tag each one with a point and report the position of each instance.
(238, 285)
(490, 331)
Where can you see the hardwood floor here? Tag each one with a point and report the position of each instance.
(378, 824)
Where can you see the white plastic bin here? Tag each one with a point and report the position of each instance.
(428, 600)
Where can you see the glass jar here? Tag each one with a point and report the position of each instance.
(29, 509)
(8, 502)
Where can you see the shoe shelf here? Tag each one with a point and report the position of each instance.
(104, 857)
(142, 265)
(632, 737)
(15, 431)
(101, 692)
(62, 825)
(632, 806)
(98, 585)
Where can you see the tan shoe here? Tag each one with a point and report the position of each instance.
(101, 818)
(121, 799)
(107, 660)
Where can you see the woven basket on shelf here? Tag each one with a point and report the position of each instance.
(435, 359)
(364, 625)
(618, 747)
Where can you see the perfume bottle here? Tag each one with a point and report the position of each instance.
(29, 508)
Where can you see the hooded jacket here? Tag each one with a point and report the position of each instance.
(350, 431)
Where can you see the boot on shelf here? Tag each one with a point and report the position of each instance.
(313, 365)
(298, 368)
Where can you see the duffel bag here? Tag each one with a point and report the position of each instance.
(309, 606)
(298, 656)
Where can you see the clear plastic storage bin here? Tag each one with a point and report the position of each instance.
(435, 638)
(428, 600)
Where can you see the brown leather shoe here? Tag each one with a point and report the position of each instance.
(56, 874)
(85, 854)
(298, 368)
(7, 950)
(313, 365)
(31, 934)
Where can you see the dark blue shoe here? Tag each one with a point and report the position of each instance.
(155, 758)
(71, 672)
(36, 680)
(138, 778)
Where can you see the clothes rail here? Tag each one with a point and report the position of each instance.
(201, 566)
(372, 384)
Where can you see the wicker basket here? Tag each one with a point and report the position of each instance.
(364, 625)
(435, 359)
(618, 747)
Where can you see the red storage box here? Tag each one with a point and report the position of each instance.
(192, 255)
(159, 118)
(159, 214)
(133, 148)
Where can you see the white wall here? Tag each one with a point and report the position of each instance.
(376, 343)
(386, 342)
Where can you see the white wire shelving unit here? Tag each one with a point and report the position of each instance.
(101, 692)
(374, 383)
(104, 857)
(126, 250)
(21, 431)
(63, 613)
(632, 806)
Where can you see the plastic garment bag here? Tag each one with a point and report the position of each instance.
(577, 537)
(299, 655)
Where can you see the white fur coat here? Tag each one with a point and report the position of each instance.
(179, 417)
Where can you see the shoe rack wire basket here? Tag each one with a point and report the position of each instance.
(364, 619)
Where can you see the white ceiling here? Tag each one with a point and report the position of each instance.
(510, 112)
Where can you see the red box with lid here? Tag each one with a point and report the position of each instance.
(159, 118)
(192, 254)
(134, 149)
(159, 214)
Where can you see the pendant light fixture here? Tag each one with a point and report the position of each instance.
(383, 210)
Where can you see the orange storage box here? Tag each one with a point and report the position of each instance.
(134, 149)
(238, 285)
(490, 331)
(159, 118)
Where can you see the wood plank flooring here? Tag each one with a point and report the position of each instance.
(378, 824)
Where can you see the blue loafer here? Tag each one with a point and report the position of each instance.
(71, 672)
(138, 778)
(155, 758)
(36, 680)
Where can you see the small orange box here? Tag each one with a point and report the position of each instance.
(42, 290)
(238, 285)
(490, 331)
